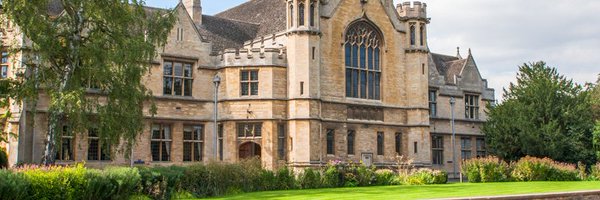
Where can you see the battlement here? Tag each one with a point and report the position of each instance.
(253, 57)
(416, 10)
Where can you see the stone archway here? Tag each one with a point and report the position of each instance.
(249, 150)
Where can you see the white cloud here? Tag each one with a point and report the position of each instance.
(507, 33)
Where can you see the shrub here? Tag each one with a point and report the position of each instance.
(309, 179)
(111, 183)
(285, 179)
(3, 159)
(385, 177)
(160, 182)
(538, 169)
(427, 176)
(216, 179)
(488, 169)
(364, 175)
(14, 185)
(595, 172)
(57, 182)
(334, 175)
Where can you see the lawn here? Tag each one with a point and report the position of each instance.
(424, 192)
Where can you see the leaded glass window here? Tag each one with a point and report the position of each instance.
(362, 60)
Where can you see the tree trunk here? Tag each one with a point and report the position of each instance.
(50, 152)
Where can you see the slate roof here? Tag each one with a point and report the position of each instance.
(269, 15)
(247, 21)
(448, 66)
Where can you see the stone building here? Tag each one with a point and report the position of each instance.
(303, 82)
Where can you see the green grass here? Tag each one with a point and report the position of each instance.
(424, 192)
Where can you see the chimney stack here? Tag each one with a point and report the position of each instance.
(194, 8)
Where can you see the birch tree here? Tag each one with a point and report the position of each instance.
(106, 45)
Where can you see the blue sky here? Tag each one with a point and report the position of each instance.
(209, 7)
(503, 34)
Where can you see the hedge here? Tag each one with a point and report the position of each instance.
(492, 169)
(193, 181)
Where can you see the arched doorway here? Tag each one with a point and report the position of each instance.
(249, 150)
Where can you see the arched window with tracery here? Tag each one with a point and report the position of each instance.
(422, 34)
(413, 34)
(363, 54)
(312, 14)
(301, 14)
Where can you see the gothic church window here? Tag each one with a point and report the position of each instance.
(422, 34)
(362, 59)
(177, 78)
(412, 34)
(301, 14)
(312, 14)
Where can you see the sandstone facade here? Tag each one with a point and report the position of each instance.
(285, 92)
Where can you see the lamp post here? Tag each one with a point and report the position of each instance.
(452, 102)
(216, 81)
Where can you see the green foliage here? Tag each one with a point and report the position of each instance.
(544, 115)
(384, 177)
(108, 45)
(160, 182)
(333, 176)
(285, 179)
(537, 169)
(310, 179)
(595, 172)
(3, 159)
(14, 185)
(77, 182)
(488, 169)
(427, 176)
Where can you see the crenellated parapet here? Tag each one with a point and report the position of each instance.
(253, 57)
(416, 10)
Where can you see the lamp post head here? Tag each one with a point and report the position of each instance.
(217, 80)
(452, 100)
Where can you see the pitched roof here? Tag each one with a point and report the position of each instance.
(448, 66)
(225, 33)
(269, 15)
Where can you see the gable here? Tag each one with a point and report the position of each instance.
(330, 7)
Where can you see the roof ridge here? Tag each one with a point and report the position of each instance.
(234, 20)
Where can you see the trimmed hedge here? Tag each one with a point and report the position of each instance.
(492, 169)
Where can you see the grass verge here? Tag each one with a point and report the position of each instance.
(425, 191)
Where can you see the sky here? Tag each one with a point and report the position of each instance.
(503, 34)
